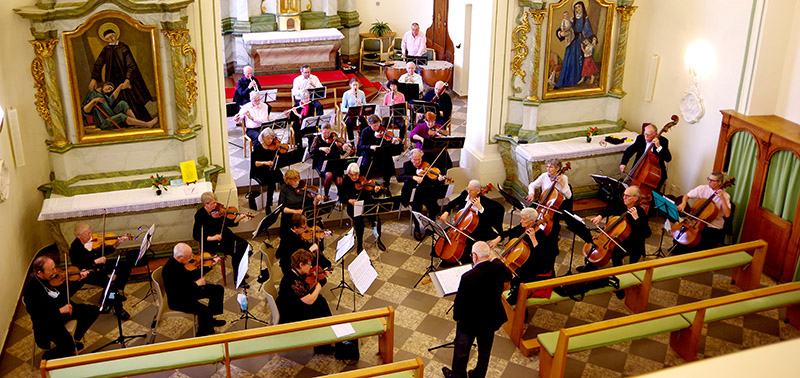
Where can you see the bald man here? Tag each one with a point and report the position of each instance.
(443, 100)
(245, 85)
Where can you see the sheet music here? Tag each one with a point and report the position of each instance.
(241, 270)
(358, 208)
(344, 245)
(446, 281)
(342, 330)
(449, 191)
(362, 273)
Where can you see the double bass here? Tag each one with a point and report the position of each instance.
(646, 173)
(550, 200)
(466, 222)
(687, 231)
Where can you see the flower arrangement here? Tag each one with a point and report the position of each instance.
(158, 182)
(589, 132)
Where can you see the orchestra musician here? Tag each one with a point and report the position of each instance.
(292, 241)
(439, 96)
(293, 199)
(712, 234)
(478, 311)
(411, 77)
(324, 148)
(254, 113)
(394, 97)
(636, 219)
(185, 287)
(349, 195)
(412, 179)
(543, 184)
(489, 212)
(296, 116)
(414, 43)
(50, 309)
(262, 164)
(375, 150)
(427, 130)
(246, 84)
(543, 251)
(299, 294)
(212, 222)
(94, 258)
(660, 148)
(353, 97)
(304, 82)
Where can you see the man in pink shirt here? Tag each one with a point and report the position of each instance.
(254, 113)
(413, 42)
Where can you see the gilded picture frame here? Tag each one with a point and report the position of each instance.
(115, 49)
(578, 53)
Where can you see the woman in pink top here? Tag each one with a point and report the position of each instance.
(394, 97)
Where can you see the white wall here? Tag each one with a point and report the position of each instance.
(21, 234)
(788, 102)
(459, 26)
(667, 28)
(398, 14)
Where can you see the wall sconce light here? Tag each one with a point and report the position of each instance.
(700, 61)
(2, 117)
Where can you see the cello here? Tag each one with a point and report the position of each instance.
(687, 231)
(600, 250)
(550, 200)
(466, 222)
(646, 173)
(516, 251)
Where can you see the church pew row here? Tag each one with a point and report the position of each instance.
(685, 322)
(225, 347)
(403, 369)
(746, 259)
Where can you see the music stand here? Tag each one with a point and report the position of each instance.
(418, 60)
(323, 208)
(269, 95)
(513, 201)
(610, 189)
(409, 90)
(436, 233)
(114, 298)
(288, 158)
(339, 165)
(440, 143)
(143, 248)
(422, 107)
(317, 93)
(343, 246)
(670, 210)
(241, 270)
(316, 122)
(380, 206)
(361, 111)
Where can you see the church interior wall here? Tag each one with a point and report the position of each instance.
(789, 93)
(398, 14)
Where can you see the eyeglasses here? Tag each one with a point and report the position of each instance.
(712, 180)
(628, 196)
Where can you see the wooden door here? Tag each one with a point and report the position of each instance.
(776, 231)
(438, 36)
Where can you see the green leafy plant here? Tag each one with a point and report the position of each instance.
(380, 28)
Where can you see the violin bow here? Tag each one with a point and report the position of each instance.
(612, 239)
(224, 217)
(66, 280)
(201, 251)
(102, 237)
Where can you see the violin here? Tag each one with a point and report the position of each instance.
(310, 190)
(433, 173)
(281, 148)
(599, 251)
(207, 261)
(230, 212)
(687, 231)
(551, 199)
(386, 135)
(646, 173)
(516, 253)
(311, 232)
(73, 273)
(317, 274)
(466, 222)
(368, 185)
(109, 239)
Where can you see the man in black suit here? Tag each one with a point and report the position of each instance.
(660, 148)
(412, 180)
(245, 85)
(184, 288)
(478, 311)
(488, 211)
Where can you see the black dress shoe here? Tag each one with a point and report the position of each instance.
(124, 315)
(219, 322)
(447, 372)
(78, 346)
(417, 235)
(381, 246)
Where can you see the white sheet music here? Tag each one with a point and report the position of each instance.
(362, 272)
(446, 281)
(344, 245)
(342, 330)
(358, 208)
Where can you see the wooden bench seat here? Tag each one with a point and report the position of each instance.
(222, 348)
(685, 322)
(746, 259)
(403, 369)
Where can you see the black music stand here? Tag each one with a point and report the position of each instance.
(343, 285)
(381, 206)
(288, 158)
(513, 201)
(317, 93)
(418, 60)
(323, 208)
(316, 122)
(440, 143)
(409, 90)
(360, 111)
(269, 95)
(396, 111)
(243, 305)
(436, 232)
(336, 166)
(610, 189)
(421, 107)
(267, 222)
(113, 297)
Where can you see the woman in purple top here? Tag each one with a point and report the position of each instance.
(426, 130)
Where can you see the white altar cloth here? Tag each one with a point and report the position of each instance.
(121, 201)
(310, 35)
(572, 148)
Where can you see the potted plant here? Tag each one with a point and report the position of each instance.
(380, 28)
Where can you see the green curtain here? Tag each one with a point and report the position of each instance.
(742, 166)
(783, 185)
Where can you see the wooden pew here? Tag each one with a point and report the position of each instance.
(685, 322)
(222, 348)
(746, 259)
(403, 369)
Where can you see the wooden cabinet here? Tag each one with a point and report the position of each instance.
(771, 134)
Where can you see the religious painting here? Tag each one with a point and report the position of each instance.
(578, 48)
(112, 64)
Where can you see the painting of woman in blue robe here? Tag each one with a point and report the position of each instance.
(572, 64)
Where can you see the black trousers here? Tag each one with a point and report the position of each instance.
(358, 224)
(100, 278)
(463, 343)
(205, 314)
(233, 246)
(432, 204)
(350, 124)
(64, 343)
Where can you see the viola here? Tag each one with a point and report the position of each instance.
(310, 190)
(109, 239)
(551, 199)
(646, 173)
(207, 261)
(687, 231)
(603, 244)
(466, 222)
(517, 252)
(312, 232)
(433, 173)
(317, 274)
(369, 185)
(230, 212)
(384, 134)
(73, 273)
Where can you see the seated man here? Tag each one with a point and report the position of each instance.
(411, 77)
(254, 113)
(292, 241)
(50, 309)
(110, 114)
(184, 288)
(304, 82)
(99, 263)
(411, 180)
(439, 96)
(216, 232)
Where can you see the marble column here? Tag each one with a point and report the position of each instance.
(538, 19)
(625, 14)
(48, 98)
(183, 58)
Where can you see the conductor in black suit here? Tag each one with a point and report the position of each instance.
(478, 311)
(660, 148)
